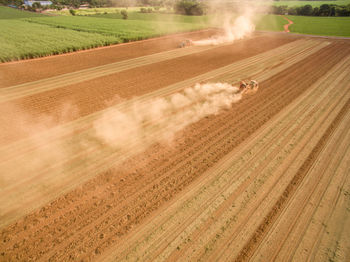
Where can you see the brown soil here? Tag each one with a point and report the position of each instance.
(86, 222)
(97, 94)
(264, 227)
(15, 73)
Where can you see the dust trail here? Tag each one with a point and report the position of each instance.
(241, 27)
(237, 19)
(23, 126)
(136, 125)
(41, 165)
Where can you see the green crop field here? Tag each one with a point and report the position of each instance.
(27, 35)
(20, 40)
(10, 13)
(326, 26)
(136, 15)
(269, 22)
(93, 11)
(127, 30)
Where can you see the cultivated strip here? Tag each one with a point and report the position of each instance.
(158, 227)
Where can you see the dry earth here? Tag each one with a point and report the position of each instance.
(263, 179)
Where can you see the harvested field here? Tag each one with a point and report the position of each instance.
(123, 158)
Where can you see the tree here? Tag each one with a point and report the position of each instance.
(292, 11)
(124, 14)
(325, 10)
(342, 10)
(316, 11)
(189, 7)
(332, 11)
(36, 5)
(282, 9)
(306, 10)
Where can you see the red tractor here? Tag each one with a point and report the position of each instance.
(186, 43)
(248, 86)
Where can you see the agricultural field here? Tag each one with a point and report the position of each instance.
(22, 40)
(99, 10)
(327, 26)
(147, 151)
(126, 30)
(27, 35)
(10, 13)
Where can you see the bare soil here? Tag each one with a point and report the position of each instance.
(94, 220)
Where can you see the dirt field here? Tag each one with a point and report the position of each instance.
(108, 155)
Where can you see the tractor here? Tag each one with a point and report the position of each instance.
(185, 43)
(247, 87)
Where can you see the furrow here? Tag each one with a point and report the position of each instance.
(18, 91)
(253, 168)
(154, 229)
(291, 221)
(291, 187)
(278, 53)
(62, 251)
(87, 121)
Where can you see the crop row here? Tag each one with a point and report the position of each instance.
(126, 30)
(21, 40)
(76, 157)
(220, 184)
(26, 35)
(18, 91)
(175, 175)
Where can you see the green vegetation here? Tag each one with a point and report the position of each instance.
(189, 7)
(126, 30)
(269, 23)
(124, 14)
(11, 13)
(312, 3)
(20, 40)
(26, 34)
(95, 11)
(308, 10)
(157, 17)
(33, 35)
(327, 26)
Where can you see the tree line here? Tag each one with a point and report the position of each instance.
(308, 10)
(188, 7)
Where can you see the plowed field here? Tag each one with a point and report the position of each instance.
(116, 153)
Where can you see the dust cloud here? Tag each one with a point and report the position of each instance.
(158, 119)
(240, 28)
(235, 19)
(21, 131)
(35, 144)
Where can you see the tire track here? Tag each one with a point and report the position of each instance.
(297, 224)
(31, 88)
(75, 245)
(159, 225)
(297, 238)
(87, 99)
(95, 239)
(24, 181)
(256, 239)
(251, 178)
